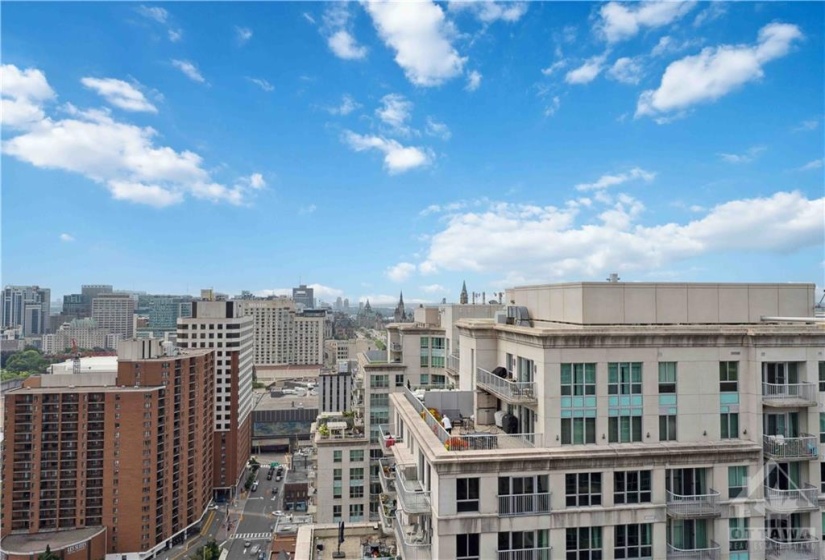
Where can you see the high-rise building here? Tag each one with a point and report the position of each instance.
(304, 297)
(127, 455)
(163, 311)
(84, 332)
(28, 307)
(222, 327)
(309, 335)
(335, 388)
(618, 420)
(115, 312)
(284, 335)
(91, 291)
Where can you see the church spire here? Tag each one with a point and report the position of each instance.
(463, 298)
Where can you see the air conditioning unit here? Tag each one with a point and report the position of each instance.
(499, 416)
(518, 315)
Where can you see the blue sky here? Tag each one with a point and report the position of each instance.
(375, 147)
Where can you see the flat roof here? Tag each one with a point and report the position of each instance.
(83, 389)
(286, 402)
(92, 364)
(33, 543)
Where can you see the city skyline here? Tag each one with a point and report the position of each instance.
(260, 146)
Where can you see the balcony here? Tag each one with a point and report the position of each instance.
(781, 448)
(792, 550)
(526, 554)
(386, 474)
(693, 506)
(414, 544)
(513, 392)
(453, 363)
(387, 439)
(386, 514)
(711, 553)
(524, 504)
(411, 494)
(793, 395)
(790, 501)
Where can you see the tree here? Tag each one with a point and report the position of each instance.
(29, 362)
(48, 555)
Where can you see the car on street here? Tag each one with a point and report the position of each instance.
(277, 513)
(247, 544)
(261, 555)
(269, 475)
(256, 549)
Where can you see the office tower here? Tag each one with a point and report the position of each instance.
(221, 326)
(335, 388)
(75, 306)
(310, 331)
(304, 297)
(91, 291)
(109, 463)
(28, 307)
(284, 335)
(115, 312)
(163, 311)
(619, 421)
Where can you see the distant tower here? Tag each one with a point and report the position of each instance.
(463, 299)
(400, 314)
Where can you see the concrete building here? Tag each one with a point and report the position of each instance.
(84, 331)
(115, 313)
(310, 333)
(283, 335)
(335, 388)
(28, 307)
(222, 327)
(304, 297)
(620, 420)
(163, 311)
(336, 350)
(126, 453)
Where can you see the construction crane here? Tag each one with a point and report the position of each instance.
(75, 358)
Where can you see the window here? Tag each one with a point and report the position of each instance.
(356, 474)
(425, 360)
(583, 489)
(336, 456)
(634, 541)
(336, 475)
(467, 494)
(730, 425)
(822, 377)
(578, 379)
(728, 377)
(631, 487)
(529, 544)
(584, 543)
(667, 427)
(336, 492)
(523, 494)
(738, 534)
(821, 427)
(399, 380)
(467, 547)
(624, 429)
(356, 491)
(738, 481)
(624, 378)
(425, 342)
(378, 400)
(356, 512)
(822, 479)
(356, 455)
(578, 430)
(381, 381)
(667, 377)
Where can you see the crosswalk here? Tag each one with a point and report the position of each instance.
(253, 536)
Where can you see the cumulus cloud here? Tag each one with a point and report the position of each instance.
(587, 72)
(189, 70)
(627, 70)
(714, 11)
(438, 129)
(400, 272)
(397, 158)
(557, 65)
(491, 12)
(606, 181)
(23, 94)
(716, 71)
(546, 243)
(395, 110)
(620, 21)
(347, 106)
(161, 16)
(473, 80)
(746, 157)
(122, 157)
(120, 94)
(67, 237)
(243, 34)
(345, 46)
(421, 37)
(338, 31)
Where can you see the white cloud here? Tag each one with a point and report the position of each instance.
(811, 165)
(627, 70)
(558, 65)
(716, 72)
(345, 46)
(263, 84)
(23, 94)
(256, 181)
(400, 272)
(347, 106)
(554, 106)
(397, 158)
(309, 18)
(67, 237)
(669, 45)
(490, 12)
(421, 37)
(154, 12)
(395, 111)
(587, 72)
(434, 289)
(748, 156)
(441, 208)
(120, 94)
(338, 31)
(620, 21)
(120, 156)
(714, 11)
(243, 34)
(806, 125)
(473, 80)
(304, 210)
(606, 181)
(175, 35)
(541, 244)
(438, 129)
(190, 70)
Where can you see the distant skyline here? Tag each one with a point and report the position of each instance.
(252, 146)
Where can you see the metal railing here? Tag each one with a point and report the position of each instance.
(524, 504)
(411, 495)
(792, 550)
(710, 553)
(806, 497)
(415, 546)
(542, 553)
(387, 439)
(791, 394)
(697, 505)
(454, 362)
(386, 474)
(511, 391)
(806, 446)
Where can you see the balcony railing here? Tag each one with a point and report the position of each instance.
(710, 553)
(411, 494)
(415, 546)
(510, 391)
(792, 394)
(792, 550)
(386, 474)
(788, 501)
(387, 439)
(453, 362)
(526, 554)
(806, 446)
(524, 504)
(690, 506)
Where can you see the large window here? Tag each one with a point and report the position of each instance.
(729, 422)
(728, 377)
(356, 474)
(356, 491)
(467, 547)
(631, 487)
(356, 455)
(467, 494)
(634, 541)
(380, 381)
(738, 534)
(624, 378)
(336, 456)
(667, 377)
(578, 430)
(738, 481)
(336, 513)
(524, 544)
(583, 489)
(584, 543)
(578, 379)
(624, 429)
(667, 427)
(822, 377)
(356, 512)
